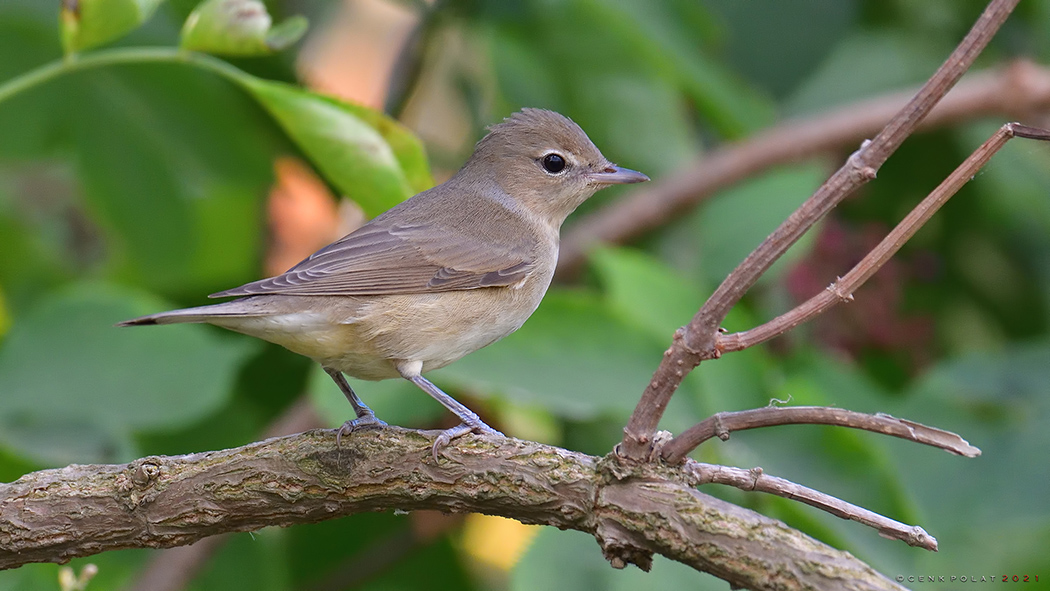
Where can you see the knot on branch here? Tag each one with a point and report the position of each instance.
(137, 480)
(859, 170)
(680, 342)
(914, 536)
(620, 553)
(720, 429)
(620, 480)
(655, 451)
(836, 290)
(688, 351)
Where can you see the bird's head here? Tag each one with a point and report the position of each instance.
(545, 162)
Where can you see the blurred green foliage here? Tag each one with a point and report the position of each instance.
(138, 187)
(238, 28)
(89, 23)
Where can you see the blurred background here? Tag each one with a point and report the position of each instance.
(137, 188)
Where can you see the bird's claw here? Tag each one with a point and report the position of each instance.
(446, 436)
(367, 421)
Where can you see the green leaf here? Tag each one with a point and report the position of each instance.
(257, 561)
(368, 156)
(658, 142)
(737, 220)
(285, 35)
(863, 65)
(74, 386)
(646, 50)
(172, 166)
(238, 27)
(1014, 184)
(89, 23)
(645, 291)
(574, 357)
(572, 561)
(653, 296)
(668, 37)
(1000, 402)
(5, 317)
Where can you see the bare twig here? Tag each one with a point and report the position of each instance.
(1013, 92)
(842, 289)
(633, 510)
(685, 352)
(722, 424)
(757, 480)
(408, 67)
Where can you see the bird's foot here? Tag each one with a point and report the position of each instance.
(365, 421)
(446, 436)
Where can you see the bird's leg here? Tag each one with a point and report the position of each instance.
(360, 408)
(471, 421)
(365, 416)
(465, 414)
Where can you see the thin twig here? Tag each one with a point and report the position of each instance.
(1010, 93)
(408, 67)
(722, 424)
(701, 333)
(842, 289)
(756, 480)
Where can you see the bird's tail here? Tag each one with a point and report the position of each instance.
(199, 314)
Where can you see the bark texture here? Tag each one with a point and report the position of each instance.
(633, 510)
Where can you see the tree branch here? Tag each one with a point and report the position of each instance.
(633, 510)
(685, 352)
(722, 424)
(757, 480)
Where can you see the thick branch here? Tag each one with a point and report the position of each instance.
(1014, 92)
(55, 515)
(700, 334)
(722, 424)
(640, 509)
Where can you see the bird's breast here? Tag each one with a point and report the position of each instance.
(440, 328)
(366, 336)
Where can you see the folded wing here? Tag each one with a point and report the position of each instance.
(381, 259)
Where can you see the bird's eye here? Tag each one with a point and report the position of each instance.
(553, 163)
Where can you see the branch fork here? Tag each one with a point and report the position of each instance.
(702, 340)
(702, 334)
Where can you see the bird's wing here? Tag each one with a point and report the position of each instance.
(382, 259)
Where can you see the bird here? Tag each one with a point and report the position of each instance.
(442, 274)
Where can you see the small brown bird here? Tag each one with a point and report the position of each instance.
(443, 274)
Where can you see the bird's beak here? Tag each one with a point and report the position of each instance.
(616, 175)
